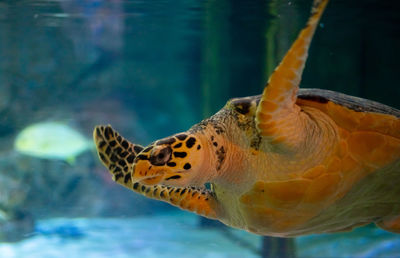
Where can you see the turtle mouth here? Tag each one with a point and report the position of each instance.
(160, 178)
(149, 180)
(144, 173)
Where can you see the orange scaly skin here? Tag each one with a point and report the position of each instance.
(291, 207)
(289, 162)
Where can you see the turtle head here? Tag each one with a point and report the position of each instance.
(172, 161)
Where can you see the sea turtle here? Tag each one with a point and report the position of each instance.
(285, 163)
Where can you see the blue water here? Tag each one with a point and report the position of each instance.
(171, 235)
(177, 234)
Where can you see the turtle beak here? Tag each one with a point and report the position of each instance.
(145, 173)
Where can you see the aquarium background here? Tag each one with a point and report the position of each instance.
(151, 69)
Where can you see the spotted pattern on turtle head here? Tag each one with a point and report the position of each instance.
(170, 159)
(116, 153)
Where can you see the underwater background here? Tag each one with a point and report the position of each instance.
(151, 69)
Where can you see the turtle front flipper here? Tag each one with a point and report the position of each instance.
(197, 200)
(277, 116)
(118, 155)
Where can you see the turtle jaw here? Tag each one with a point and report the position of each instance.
(144, 172)
(161, 178)
(152, 180)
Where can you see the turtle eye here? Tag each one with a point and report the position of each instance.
(160, 156)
